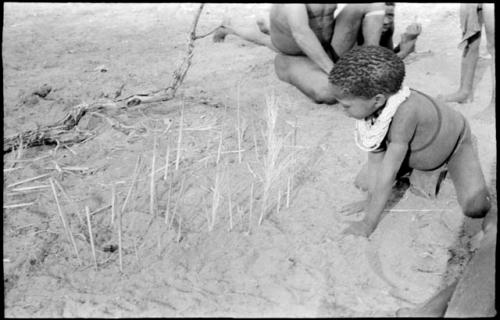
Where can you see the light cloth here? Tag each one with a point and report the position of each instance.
(370, 132)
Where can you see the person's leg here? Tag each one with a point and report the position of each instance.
(347, 27)
(489, 26)
(306, 76)
(465, 171)
(252, 33)
(469, 62)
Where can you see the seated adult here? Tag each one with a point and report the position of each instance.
(309, 38)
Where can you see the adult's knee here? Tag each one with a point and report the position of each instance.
(477, 206)
(281, 66)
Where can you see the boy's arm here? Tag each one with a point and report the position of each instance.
(305, 36)
(373, 23)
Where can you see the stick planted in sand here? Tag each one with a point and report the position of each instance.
(219, 149)
(179, 230)
(120, 255)
(87, 213)
(238, 124)
(179, 139)
(250, 213)
(215, 198)
(288, 186)
(134, 179)
(63, 220)
(113, 203)
(152, 210)
(230, 209)
(169, 197)
(167, 158)
(279, 201)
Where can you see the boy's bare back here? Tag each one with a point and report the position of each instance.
(433, 130)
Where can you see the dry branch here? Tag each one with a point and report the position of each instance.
(62, 131)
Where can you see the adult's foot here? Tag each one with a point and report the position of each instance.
(221, 32)
(409, 38)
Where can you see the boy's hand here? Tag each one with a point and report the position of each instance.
(353, 207)
(359, 228)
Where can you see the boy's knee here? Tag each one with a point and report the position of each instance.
(478, 206)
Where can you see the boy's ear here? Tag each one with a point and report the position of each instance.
(379, 100)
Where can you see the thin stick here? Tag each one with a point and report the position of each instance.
(279, 201)
(179, 139)
(288, 185)
(65, 194)
(167, 158)
(219, 150)
(43, 186)
(100, 210)
(207, 214)
(255, 142)
(230, 209)
(91, 236)
(18, 205)
(167, 209)
(27, 180)
(61, 215)
(238, 128)
(215, 198)
(152, 210)
(295, 131)
(113, 203)
(251, 208)
(120, 239)
(177, 201)
(136, 173)
(179, 230)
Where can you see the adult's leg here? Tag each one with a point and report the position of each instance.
(469, 62)
(306, 76)
(489, 26)
(347, 27)
(252, 33)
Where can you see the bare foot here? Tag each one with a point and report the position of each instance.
(359, 228)
(459, 96)
(409, 38)
(262, 24)
(221, 32)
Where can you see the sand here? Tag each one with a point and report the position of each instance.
(294, 263)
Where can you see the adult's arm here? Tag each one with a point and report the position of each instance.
(305, 37)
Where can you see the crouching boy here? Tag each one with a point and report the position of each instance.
(402, 127)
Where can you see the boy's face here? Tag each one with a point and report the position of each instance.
(356, 107)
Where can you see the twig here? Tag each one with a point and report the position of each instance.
(179, 139)
(65, 194)
(177, 201)
(288, 187)
(152, 210)
(43, 186)
(167, 158)
(255, 142)
(100, 210)
(219, 149)
(120, 249)
(251, 208)
(279, 201)
(179, 230)
(238, 128)
(68, 232)
(91, 236)
(113, 203)
(27, 180)
(230, 209)
(136, 173)
(18, 205)
(167, 209)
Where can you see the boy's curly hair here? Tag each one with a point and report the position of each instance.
(367, 71)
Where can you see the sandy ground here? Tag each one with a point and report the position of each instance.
(185, 253)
